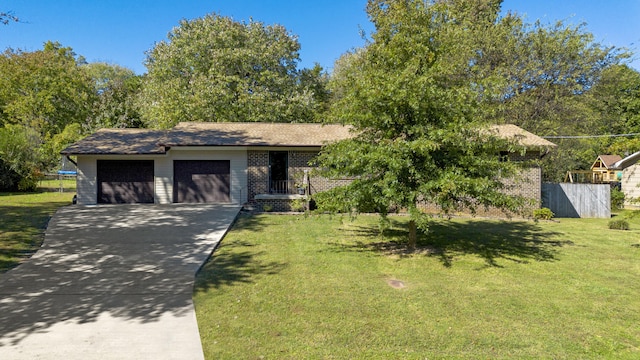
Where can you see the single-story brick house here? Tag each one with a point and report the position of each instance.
(238, 163)
(193, 162)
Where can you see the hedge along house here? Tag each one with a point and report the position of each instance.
(236, 163)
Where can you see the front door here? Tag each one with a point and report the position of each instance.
(278, 172)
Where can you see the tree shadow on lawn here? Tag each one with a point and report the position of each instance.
(250, 221)
(491, 240)
(231, 263)
(227, 269)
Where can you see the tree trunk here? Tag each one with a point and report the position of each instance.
(413, 234)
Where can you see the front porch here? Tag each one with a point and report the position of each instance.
(287, 187)
(282, 180)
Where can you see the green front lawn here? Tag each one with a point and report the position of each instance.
(324, 287)
(52, 185)
(23, 219)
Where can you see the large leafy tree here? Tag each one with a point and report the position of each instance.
(45, 96)
(547, 72)
(412, 96)
(45, 90)
(613, 105)
(616, 98)
(216, 69)
(51, 97)
(116, 90)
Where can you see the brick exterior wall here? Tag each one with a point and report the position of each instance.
(257, 173)
(527, 184)
(299, 162)
(275, 205)
(258, 177)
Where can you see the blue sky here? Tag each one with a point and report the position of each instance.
(120, 31)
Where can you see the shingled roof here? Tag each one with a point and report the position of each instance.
(149, 142)
(522, 136)
(254, 134)
(607, 160)
(118, 142)
(146, 142)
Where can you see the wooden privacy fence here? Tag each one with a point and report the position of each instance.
(577, 200)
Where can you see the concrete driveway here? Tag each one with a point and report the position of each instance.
(111, 282)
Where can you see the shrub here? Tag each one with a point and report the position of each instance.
(298, 205)
(619, 224)
(20, 158)
(543, 214)
(9, 179)
(267, 207)
(617, 199)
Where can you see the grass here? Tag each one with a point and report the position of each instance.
(23, 219)
(324, 287)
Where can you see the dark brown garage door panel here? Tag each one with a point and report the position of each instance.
(201, 181)
(125, 181)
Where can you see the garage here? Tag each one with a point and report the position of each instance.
(201, 181)
(125, 181)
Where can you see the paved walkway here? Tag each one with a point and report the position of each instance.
(111, 282)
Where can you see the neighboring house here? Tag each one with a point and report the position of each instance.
(630, 181)
(604, 171)
(238, 163)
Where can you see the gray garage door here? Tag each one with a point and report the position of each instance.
(125, 181)
(201, 181)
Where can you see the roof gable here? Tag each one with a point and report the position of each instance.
(607, 161)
